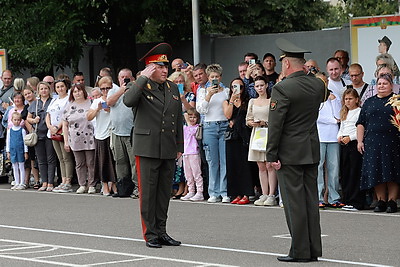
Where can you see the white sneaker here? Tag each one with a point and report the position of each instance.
(14, 187)
(65, 189)
(81, 189)
(58, 188)
(261, 200)
(213, 199)
(92, 190)
(226, 199)
(281, 205)
(349, 208)
(188, 196)
(13, 182)
(197, 197)
(271, 201)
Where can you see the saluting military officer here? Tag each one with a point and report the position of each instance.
(157, 141)
(293, 150)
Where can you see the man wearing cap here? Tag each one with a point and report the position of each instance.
(157, 141)
(293, 150)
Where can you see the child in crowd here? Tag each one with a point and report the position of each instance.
(191, 157)
(17, 151)
(350, 158)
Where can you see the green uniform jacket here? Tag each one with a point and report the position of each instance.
(292, 130)
(158, 131)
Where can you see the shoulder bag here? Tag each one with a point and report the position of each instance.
(31, 139)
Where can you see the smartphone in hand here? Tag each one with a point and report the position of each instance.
(104, 105)
(215, 83)
(180, 88)
(127, 80)
(236, 89)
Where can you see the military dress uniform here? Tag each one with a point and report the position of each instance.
(157, 138)
(293, 140)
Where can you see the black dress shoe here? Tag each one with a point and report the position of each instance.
(165, 239)
(391, 206)
(381, 206)
(290, 259)
(154, 243)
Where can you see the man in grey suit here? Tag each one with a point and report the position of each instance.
(157, 141)
(293, 150)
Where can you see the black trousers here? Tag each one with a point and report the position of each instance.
(350, 173)
(298, 184)
(155, 182)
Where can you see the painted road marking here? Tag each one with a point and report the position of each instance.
(185, 245)
(136, 257)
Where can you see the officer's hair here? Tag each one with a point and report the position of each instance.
(387, 58)
(214, 68)
(297, 61)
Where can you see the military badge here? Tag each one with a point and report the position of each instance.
(150, 97)
(175, 97)
(148, 86)
(273, 105)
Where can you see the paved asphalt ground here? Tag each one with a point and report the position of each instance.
(54, 229)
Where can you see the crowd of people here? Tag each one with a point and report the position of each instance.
(84, 133)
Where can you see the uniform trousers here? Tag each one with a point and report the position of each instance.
(298, 185)
(155, 183)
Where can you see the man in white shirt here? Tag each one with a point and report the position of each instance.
(335, 82)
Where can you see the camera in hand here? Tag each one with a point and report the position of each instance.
(127, 80)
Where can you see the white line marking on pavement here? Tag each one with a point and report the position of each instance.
(287, 236)
(38, 260)
(111, 262)
(185, 245)
(64, 255)
(100, 251)
(18, 248)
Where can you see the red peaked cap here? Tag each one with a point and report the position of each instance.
(158, 55)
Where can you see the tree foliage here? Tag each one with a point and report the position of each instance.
(45, 33)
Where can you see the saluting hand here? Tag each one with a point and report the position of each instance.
(149, 70)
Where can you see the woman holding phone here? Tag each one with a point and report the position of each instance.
(104, 165)
(209, 104)
(239, 170)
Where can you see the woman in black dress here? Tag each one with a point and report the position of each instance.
(239, 170)
(379, 141)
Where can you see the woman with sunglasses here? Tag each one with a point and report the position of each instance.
(239, 170)
(44, 149)
(54, 124)
(379, 142)
(104, 165)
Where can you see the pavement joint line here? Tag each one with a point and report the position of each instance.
(184, 245)
(64, 255)
(104, 252)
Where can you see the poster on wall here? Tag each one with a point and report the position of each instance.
(3, 62)
(372, 36)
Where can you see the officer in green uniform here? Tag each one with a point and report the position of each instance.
(157, 141)
(293, 150)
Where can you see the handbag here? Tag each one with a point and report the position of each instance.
(259, 139)
(228, 135)
(58, 136)
(31, 139)
(199, 133)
